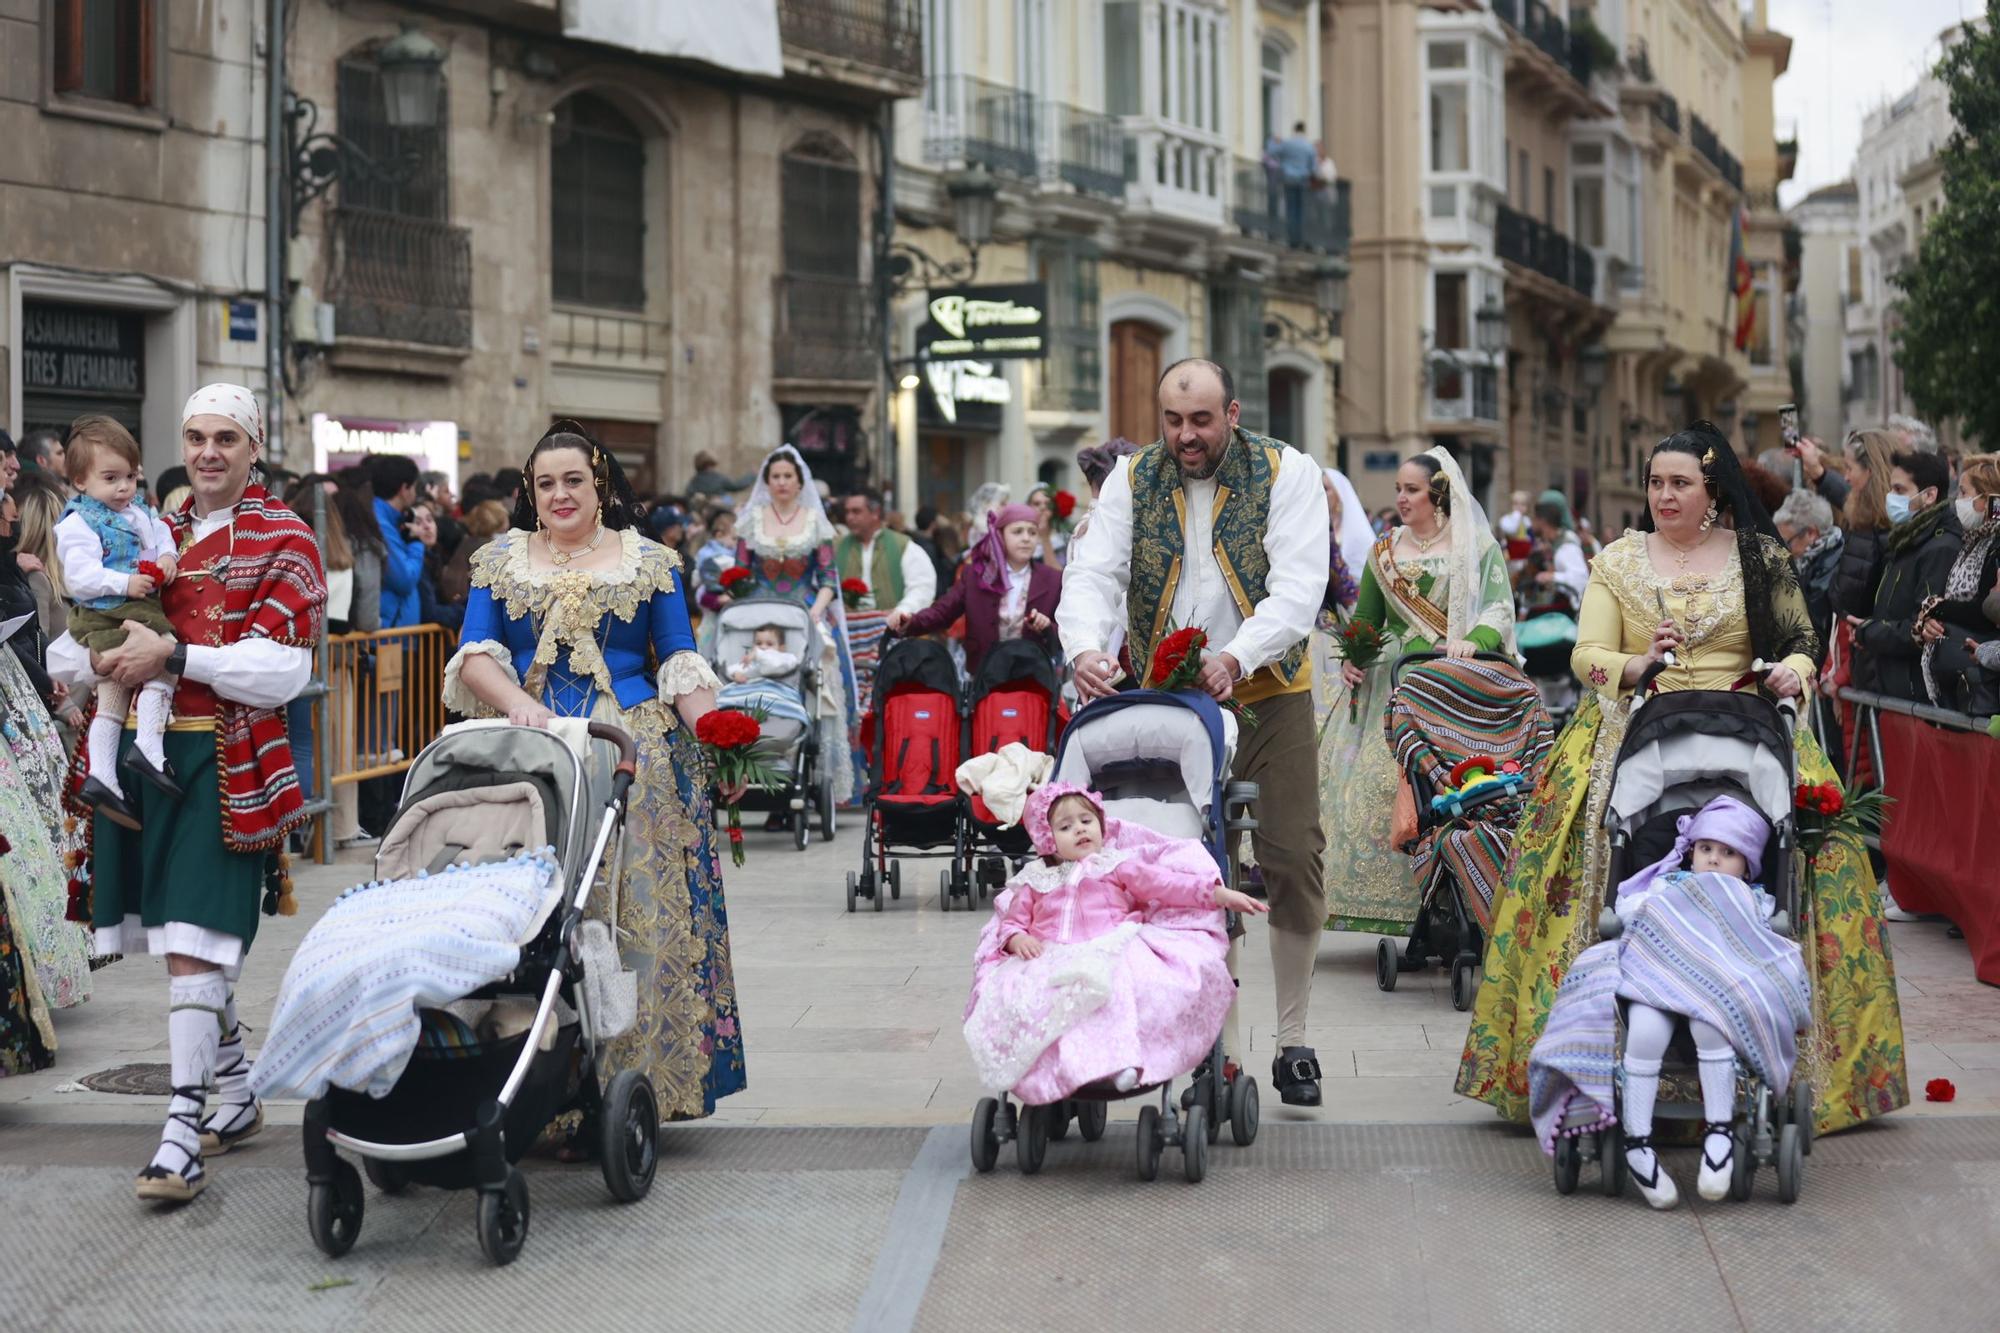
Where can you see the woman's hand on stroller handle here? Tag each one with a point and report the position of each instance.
(530, 714)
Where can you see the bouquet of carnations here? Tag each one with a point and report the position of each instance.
(1360, 644)
(726, 736)
(1823, 812)
(1177, 666)
(734, 578)
(1065, 506)
(851, 592)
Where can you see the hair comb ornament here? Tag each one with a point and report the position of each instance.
(1708, 457)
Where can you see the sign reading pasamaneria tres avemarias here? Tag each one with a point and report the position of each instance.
(990, 323)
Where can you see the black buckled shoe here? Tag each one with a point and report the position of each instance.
(110, 804)
(1295, 1074)
(163, 778)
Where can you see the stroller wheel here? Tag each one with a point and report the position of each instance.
(1791, 1163)
(1802, 1114)
(1091, 1117)
(1205, 1102)
(829, 821)
(1568, 1164)
(1149, 1142)
(503, 1219)
(1611, 1167)
(333, 1211)
(944, 890)
(985, 1141)
(1743, 1170)
(1243, 1110)
(628, 1136)
(1032, 1143)
(1385, 964)
(896, 881)
(386, 1176)
(1464, 983)
(850, 890)
(1195, 1139)
(1059, 1117)
(801, 829)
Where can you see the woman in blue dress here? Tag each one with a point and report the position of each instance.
(574, 614)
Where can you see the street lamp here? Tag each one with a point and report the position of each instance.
(1329, 295)
(1492, 322)
(972, 193)
(1592, 363)
(412, 70)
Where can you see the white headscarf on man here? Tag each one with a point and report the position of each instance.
(1479, 593)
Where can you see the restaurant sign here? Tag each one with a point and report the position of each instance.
(1002, 320)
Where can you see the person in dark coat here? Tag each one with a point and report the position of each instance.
(1002, 591)
(1921, 549)
(1864, 518)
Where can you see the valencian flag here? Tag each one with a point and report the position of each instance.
(1740, 310)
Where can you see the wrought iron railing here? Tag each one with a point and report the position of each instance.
(1668, 112)
(1264, 204)
(880, 33)
(823, 328)
(401, 278)
(1536, 245)
(973, 121)
(1087, 149)
(1541, 25)
(1707, 143)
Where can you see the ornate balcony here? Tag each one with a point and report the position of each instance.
(881, 35)
(823, 329)
(1520, 239)
(1084, 149)
(1262, 208)
(1710, 147)
(401, 279)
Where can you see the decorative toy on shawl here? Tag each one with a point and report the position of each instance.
(1104, 961)
(1698, 943)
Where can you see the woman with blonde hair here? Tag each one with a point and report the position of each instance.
(1865, 520)
(40, 504)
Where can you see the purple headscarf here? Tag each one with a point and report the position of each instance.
(1725, 820)
(989, 555)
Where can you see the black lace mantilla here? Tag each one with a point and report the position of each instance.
(1780, 624)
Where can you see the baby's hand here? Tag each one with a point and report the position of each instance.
(1024, 945)
(139, 586)
(168, 567)
(1231, 900)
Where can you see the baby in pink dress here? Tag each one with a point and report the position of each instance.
(1105, 960)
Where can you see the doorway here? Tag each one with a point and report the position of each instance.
(1137, 352)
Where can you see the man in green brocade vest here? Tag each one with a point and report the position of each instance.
(899, 575)
(1215, 527)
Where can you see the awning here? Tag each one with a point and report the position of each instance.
(741, 35)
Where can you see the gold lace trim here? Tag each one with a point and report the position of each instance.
(1712, 600)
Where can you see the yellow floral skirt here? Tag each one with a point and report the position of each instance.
(1547, 914)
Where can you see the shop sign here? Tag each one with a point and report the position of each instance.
(1002, 320)
(342, 441)
(955, 385)
(82, 350)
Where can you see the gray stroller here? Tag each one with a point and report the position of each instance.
(790, 745)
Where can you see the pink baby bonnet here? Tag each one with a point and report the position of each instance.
(1036, 817)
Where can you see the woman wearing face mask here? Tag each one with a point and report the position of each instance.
(1954, 623)
(1921, 548)
(1002, 591)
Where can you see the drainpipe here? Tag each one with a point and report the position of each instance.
(276, 143)
(885, 232)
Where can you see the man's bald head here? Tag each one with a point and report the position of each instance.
(1198, 410)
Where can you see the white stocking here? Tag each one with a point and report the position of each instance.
(1232, 1026)
(1647, 1032)
(195, 1009)
(235, 1107)
(1716, 1059)
(113, 700)
(156, 704)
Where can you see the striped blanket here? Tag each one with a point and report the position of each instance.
(1447, 711)
(777, 700)
(346, 1014)
(1698, 946)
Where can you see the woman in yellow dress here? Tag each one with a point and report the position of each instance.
(1708, 581)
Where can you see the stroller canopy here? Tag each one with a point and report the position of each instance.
(1684, 747)
(1012, 660)
(1465, 707)
(922, 662)
(737, 625)
(570, 772)
(1132, 741)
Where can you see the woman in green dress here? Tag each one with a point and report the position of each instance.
(1439, 581)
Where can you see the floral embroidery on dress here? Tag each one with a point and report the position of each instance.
(1599, 677)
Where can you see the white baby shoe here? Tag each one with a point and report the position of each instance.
(1718, 1161)
(1655, 1185)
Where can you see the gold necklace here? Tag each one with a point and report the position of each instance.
(561, 557)
(1424, 545)
(1681, 553)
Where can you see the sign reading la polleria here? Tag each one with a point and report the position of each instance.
(990, 323)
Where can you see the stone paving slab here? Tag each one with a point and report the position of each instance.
(1410, 1227)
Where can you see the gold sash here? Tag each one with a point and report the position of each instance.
(1416, 610)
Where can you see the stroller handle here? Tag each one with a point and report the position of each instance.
(1409, 659)
(628, 756)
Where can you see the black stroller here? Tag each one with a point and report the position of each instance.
(466, 1109)
(1447, 718)
(1681, 750)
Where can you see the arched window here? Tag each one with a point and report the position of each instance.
(364, 121)
(822, 209)
(597, 203)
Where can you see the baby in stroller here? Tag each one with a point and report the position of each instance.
(765, 657)
(1107, 964)
(1699, 943)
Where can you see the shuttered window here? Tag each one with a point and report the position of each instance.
(822, 217)
(105, 49)
(597, 175)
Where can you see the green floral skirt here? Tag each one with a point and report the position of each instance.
(1547, 914)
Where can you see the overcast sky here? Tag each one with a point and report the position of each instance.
(1849, 56)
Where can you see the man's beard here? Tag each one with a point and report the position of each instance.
(1205, 471)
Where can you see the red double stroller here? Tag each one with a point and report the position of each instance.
(912, 807)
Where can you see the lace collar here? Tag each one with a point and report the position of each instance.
(751, 528)
(644, 567)
(1044, 878)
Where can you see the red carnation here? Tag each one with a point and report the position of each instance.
(734, 575)
(1065, 504)
(1939, 1090)
(727, 729)
(855, 586)
(152, 570)
(1174, 650)
(1832, 801)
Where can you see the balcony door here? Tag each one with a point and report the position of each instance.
(1137, 358)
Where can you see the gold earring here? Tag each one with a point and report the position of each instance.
(1708, 519)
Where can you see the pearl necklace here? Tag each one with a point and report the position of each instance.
(1422, 544)
(561, 557)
